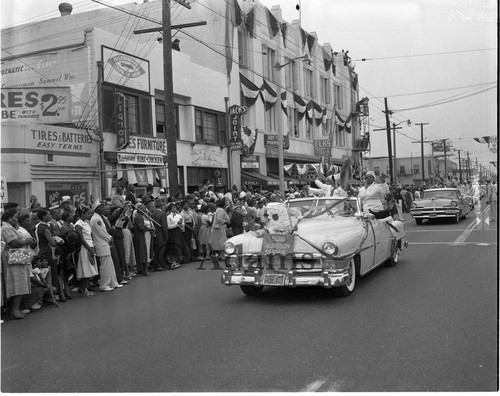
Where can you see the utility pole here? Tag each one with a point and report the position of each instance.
(468, 166)
(389, 148)
(422, 147)
(445, 158)
(477, 169)
(459, 167)
(168, 87)
(102, 173)
(394, 139)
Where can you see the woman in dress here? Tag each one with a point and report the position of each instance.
(219, 227)
(206, 222)
(143, 229)
(87, 263)
(177, 249)
(17, 276)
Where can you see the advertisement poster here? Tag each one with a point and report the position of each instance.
(78, 192)
(125, 70)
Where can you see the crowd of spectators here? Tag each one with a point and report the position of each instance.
(81, 250)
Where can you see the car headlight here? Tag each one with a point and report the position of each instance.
(229, 248)
(413, 205)
(330, 248)
(453, 203)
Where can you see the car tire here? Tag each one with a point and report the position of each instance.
(346, 290)
(393, 260)
(251, 290)
(418, 221)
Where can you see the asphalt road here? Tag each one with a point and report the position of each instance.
(428, 324)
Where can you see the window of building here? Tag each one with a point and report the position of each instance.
(416, 169)
(137, 111)
(309, 83)
(325, 90)
(337, 96)
(243, 50)
(326, 126)
(210, 127)
(270, 119)
(402, 170)
(291, 75)
(268, 63)
(293, 122)
(161, 125)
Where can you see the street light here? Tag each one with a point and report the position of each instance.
(281, 165)
(394, 125)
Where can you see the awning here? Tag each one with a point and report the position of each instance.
(142, 175)
(258, 179)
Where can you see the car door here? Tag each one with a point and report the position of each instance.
(382, 241)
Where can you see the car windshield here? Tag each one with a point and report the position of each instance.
(440, 194)
(322, 207)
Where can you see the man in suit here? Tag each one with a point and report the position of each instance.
(102, 243)
(161, 233)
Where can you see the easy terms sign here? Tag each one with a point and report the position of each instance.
(48, 105)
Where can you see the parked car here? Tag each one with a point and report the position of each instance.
(316, 241)
(440, 203)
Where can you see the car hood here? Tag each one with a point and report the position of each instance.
(346, 232)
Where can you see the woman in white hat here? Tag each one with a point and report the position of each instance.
(373, 195)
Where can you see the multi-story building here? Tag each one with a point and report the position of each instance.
(85, 100)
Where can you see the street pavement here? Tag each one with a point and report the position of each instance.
(428, 324)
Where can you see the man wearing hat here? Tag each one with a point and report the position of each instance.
(373, 195)
(102, 242)
(66, 205)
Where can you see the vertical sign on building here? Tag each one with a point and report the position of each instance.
(235, 113)
(122, 134)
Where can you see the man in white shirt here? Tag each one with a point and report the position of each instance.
(373, 194)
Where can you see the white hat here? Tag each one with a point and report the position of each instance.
(96, 204)
(371, 173)
(162, 190)
(66, 198)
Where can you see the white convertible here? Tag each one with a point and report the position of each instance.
(326, 242)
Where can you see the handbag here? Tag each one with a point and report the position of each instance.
(19, 256)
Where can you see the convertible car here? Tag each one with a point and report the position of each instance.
(316, 241)
(440, 203)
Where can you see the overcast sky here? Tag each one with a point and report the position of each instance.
(418, 52)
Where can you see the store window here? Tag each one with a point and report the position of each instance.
(196, 177)
(161, 125)
(210, 127)
(137, 110)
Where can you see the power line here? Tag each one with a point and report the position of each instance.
(419, 55)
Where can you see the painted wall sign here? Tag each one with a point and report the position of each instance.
(44, 105)
(272, 140)
(125, 158)
(78, 192)
(250, 162)
(143, 145)
(43, 138)
(322, 147)
(64, 68)
(125, 70)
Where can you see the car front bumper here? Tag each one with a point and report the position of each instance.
(291, 278)
(434, 213)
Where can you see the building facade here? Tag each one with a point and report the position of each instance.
(86, 101)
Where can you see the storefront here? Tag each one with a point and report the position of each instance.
(48, 162)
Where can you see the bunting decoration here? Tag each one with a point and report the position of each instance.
(310, 171)
(314, 112)
(327, 59)
(310, 41)
(269, 96)
(491, 141)
(494, 163)
(233, 18)
(284, 27)
(300, 105)
(248, 140)
(272, 24)
(304, 35)
(250, 22)
(284, 105)
(249, 89)
(344, 124)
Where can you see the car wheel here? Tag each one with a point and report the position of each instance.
(347, 289)
(393, 260)
(418, 221)
(251, 290)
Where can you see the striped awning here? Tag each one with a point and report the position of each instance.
(142, 175)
